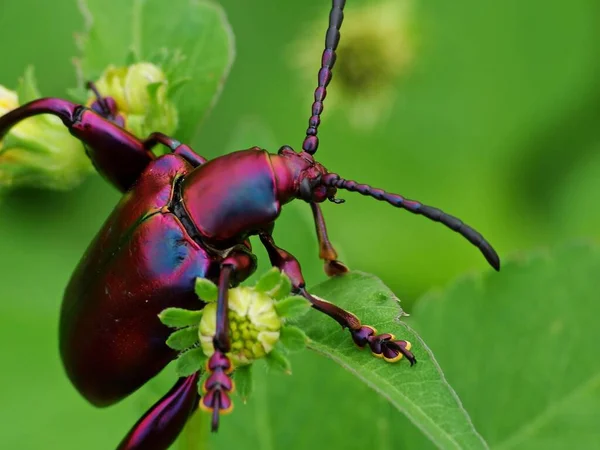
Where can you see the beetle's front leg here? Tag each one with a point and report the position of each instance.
(219, 385)
(326, 251)
(118, 155)
(382, 345)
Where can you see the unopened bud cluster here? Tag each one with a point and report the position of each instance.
(141, 92)
(39, 151)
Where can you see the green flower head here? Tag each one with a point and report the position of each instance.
(253, 321)
(259, 325)
(141, 92)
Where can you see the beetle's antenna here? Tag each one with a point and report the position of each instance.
(332, 38)
(334, 180)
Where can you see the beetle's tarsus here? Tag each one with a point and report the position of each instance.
(383, 345)
(217, 388)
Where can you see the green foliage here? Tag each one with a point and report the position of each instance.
(27, 89)
(293, 338)
(277, 360)
(206, 290)
(521, 358)
(275, 284)
(421, 392)
(179, 317)
(191, 39)
(292, 307)
(243, 382)
(190, 362)
(269, 281)
(183, 339)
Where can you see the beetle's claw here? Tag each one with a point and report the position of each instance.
(217, 388)
(383, 345)
(334, 267)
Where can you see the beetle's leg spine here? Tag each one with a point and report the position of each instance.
(332, 38)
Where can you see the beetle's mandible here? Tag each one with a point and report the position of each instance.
(180, 218)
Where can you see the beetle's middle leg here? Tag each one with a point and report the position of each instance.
(326, 251)
(384, 345)
(217, 387)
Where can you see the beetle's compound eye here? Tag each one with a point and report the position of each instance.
(306, 190)
(319, 194)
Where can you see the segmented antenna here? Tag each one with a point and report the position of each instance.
(332, 38)
(334, 180)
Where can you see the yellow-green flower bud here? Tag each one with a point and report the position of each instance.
(253, 321)
(39, 151)
(141, 94)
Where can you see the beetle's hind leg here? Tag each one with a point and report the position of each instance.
(384, 345)
(219, 385)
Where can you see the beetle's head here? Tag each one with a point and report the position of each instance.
(306, 176)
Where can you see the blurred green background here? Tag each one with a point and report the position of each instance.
(497, 121)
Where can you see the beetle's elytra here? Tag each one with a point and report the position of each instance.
(181, 218)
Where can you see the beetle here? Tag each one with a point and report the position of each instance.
(182, 217)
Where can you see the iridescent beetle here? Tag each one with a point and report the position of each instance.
(183, 217)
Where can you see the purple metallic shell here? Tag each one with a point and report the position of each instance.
(232, 196)
(141, 262)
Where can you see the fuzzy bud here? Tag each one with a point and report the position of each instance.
(141, 94)
(39, 151)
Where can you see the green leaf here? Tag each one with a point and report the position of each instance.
(524, 358)
(190, 362)
(292, 307)
(243, 381)
(283, 289)
(421, 392)
(184, 338)
(206, 290)
(269, 281)
(277, 360)
(293, 338)
(178, 317)
(198, 30)
(27, 89)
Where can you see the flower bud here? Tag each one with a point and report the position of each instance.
(374, 53)
(141, 94)
(253, 321)
(39, 151)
